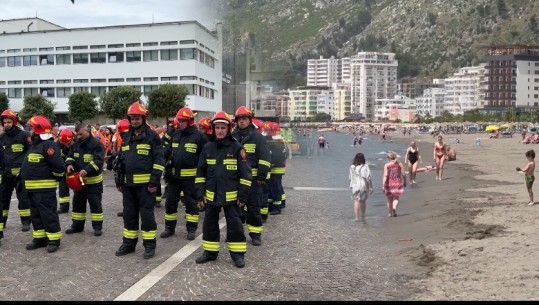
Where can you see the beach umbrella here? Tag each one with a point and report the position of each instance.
(506, 125)
(491, 128)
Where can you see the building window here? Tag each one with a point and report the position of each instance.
(170, 54)
(149, 44)
(80, 47)
(14, 82)
(98, 58)
(187, 53)
(63, 59)
(29, 50)
(152, 55)
(31, 91)
(46, 92)
(99, 91)
(151, 79)
(116, 56)
(14, 93)
(169, 78)
(149, 88)
(80, 81)
(135, 79)
(14, 61)
(63, 92)
(63, 81)
(169, 43)
(116, 80)
(29, 60)
(80, 58)
(63, 48)
(2, 62)
(188, 41)
(30, 82)
(188, 78)
(80, 89)
(133, 56)
(46, 81)
(97, 46)
(13, 50)
(46, 60)
(116, 46)
(132, 45)
(536, 96)
(99, 80)
(46, 49)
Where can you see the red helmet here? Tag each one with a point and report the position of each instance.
(74, 181)
(8, 113)
(222, 117)
(122, 126)
(186, 114)
(259, 125)
(206, 124)
(40, 124)
(273, 129)
(137, 109)
(244, 111)
(66, 136)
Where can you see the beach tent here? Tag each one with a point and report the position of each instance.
(491, 128)
(506, 125)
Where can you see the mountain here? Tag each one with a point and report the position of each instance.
(432, 38)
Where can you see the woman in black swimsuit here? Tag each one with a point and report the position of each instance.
(413, 159)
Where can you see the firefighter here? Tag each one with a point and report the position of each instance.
(260, 127)
(166, 139)
(87, 156)
(1, 173)
(16, 143)
(41, 170)
(121, 128)
(259, 158)
(278, 153)
(223, 180)
(65, 141)
(182, 155)
(140, 166)
(204, 125)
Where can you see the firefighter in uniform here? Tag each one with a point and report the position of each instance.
(87, 157)
(65, 141)
(260, 127)
(278, 153)
(166, 139)
(41, 170)
(204, 125)
(16, 143)
(182, 155)
(1, 173)
(223, 180)
(140, 166)
(258, 155)
(121, 128)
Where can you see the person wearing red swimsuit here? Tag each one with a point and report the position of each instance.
(440, 153)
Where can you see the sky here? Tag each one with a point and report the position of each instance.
(96, 13)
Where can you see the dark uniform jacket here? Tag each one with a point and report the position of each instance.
(257, 151)
(15, 143)
(278, 154)
(185, 150)
(89, 155)
(42, 167)
(223, 173)
(142, 156)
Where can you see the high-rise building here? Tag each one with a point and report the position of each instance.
(462, 90)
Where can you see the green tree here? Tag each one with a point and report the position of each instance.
(166, 100)
(37, 104)
(4, 102)
(116, 101)
(82, 106)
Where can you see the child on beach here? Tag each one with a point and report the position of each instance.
(528, 173)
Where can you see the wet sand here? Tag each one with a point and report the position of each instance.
(472, 235)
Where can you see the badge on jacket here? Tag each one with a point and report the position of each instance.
(50, 151)
(243, 155)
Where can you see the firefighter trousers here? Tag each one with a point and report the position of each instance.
(63, 195)
(6, 190)
(275, 192)
(45, 220)
(251, 211)
(235, 237)
(93, 194)
(138, 202)
(176, 186)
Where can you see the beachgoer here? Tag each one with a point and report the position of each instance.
(360, 184)
(440, 153)
(393, 183)
(413, 159)
(529, 173)
(451, 154)
(427, 168)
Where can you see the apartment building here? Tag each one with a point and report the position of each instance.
(462, 90)
(431, 103)
(304, 102)
(39, 57)
(398, 108)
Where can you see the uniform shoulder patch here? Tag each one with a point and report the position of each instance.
(243, 154)
(50, 151)
(28, 140)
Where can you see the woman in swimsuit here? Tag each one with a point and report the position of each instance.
(413, 159)
(440, 153)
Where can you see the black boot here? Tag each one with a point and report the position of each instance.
(53, 246)
(26, 225)
(238, 259)
(167, 233)
(149, 248)
(206, 257)
(170, 228)
(256, 240)
(36, 243)
(125, 249)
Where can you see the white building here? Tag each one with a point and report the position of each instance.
(37, 56)
(399, 108)
(322, 72)
(431, 102)
(304, 102)
(373, 76)
(343, 100)
(326, 103)
(462, 90)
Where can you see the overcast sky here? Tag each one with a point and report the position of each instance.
(88, 13)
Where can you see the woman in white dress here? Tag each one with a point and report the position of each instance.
(360, 185)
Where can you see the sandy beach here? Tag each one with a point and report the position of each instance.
(472, 235)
